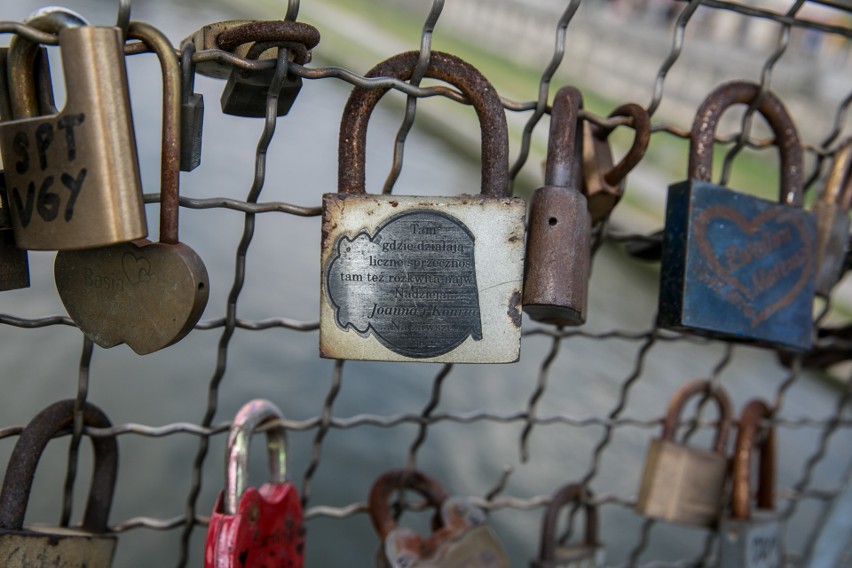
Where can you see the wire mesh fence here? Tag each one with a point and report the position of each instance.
(581, 404)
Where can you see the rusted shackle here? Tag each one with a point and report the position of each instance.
(556, 278)
(751, 421)
(587, 553)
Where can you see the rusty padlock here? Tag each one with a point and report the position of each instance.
(603, 182)
(73, 176)
(832, 219)
(256, 527)
(589, 553)
(90, 546)
(735, 266)
(556, 275)
(750, 539)
(684, 484)
(460, 536)
(422, 278)
(147, 295)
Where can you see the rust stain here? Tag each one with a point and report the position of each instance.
(394, 203)
(515, 308)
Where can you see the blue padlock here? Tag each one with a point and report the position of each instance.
(734, 266)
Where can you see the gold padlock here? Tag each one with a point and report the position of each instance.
(73, 176)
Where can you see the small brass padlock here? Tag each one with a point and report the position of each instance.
(460, 536)
(751, 539)
(832, 218)
(422, 278)
(588, 554)
(147, 295)
(73, 177)
(90, 546)
(683, 484)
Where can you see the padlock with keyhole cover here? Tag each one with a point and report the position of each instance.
(832, 219)
(91, 545)
(256, 527)
(429, 279)
(735, 266)
(749, 538)
(587, 554)
(460, 536)
(73, 176)
(145, 294)
(685, 484)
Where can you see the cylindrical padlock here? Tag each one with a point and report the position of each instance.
(251, 527)
(91, 545)
(751, 539)
(589, 553)
(145, 294)
(433, 279)
(735, 266)
(684, 484)
(556, 276)
(832, 219)
(73, 177)
(460, 536)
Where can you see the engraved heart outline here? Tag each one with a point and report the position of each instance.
(751, 226)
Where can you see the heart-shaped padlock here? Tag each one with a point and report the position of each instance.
(147, 295)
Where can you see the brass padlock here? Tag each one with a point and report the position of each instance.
(588, 554)
(147, 295)
(832, 213)
(73, 177)
(603, 182)
(422, 278)
(460, 536)
(556, 275)
(683, 484)
(751, 539)
(90, 546)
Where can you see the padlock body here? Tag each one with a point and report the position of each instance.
(558, 259)
(73, 177)
(432, 279)
(191, 128)
(56, 547)
(246, 91)
(737, 267)
(682, 484)
(580, 556)
(266, 532)
(602, 197)
(754, 543)
(832, 237)
(476, 547)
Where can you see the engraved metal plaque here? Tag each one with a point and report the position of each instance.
(421, 279)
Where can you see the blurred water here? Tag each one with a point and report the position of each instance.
(283, 280)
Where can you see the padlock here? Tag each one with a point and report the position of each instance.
(752, 539)
(90, 546)
(832, 218)
(460, 536)
(684, 484)
(603, 182)
(73, 177)
(734, 266)
(590, 553)
(147, 295)
(556, 275)
(192, 112)
(422, 278)
(251, 527)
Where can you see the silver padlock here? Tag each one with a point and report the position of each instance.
(589, 553)
(683, 484)
(832, 213)
(750, 539)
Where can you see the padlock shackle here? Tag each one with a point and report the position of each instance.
(564, 496)
(23, 52)
(351, 177)
(170, 154)
(564, 165)
(250, 417)
(751, 423)
(396, 480)
(687, 391)
(641, 139)
(21, 470)
(838, 186)
(773, 110)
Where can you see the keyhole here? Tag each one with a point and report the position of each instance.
(552, 221)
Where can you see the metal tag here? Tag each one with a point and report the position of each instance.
(60, 548)
(755, 543)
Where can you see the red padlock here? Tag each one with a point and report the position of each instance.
(251, 527)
